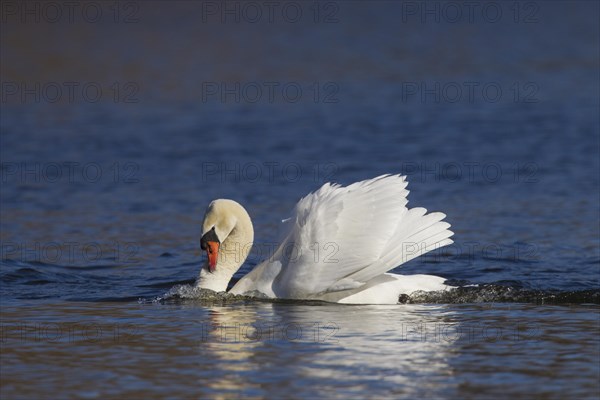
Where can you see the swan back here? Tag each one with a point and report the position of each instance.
(343, 237)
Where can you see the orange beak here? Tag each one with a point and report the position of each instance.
(212, 251)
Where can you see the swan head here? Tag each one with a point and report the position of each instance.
(227, 236)
(219, 221)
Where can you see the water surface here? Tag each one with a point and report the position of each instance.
(101, 202)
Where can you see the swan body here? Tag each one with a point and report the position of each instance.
(339, 247)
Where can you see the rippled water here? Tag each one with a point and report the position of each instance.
(258, 349)
(101, 203)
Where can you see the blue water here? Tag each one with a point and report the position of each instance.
(102, 201)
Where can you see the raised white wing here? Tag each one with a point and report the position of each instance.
(342, 237)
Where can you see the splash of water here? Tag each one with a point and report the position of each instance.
(486, 293)
(493, 293)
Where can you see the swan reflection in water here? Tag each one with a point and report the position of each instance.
(264, 346)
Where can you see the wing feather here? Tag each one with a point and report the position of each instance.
(342, 237)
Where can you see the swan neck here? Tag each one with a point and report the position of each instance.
(233, 251)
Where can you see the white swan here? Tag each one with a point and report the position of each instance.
(341, 243)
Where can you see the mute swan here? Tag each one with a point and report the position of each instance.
(339, 248)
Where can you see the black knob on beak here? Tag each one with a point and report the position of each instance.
(210, 236)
